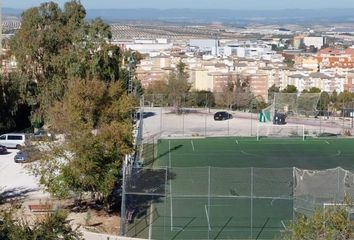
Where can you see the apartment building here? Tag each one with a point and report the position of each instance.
(325, 82)
(147, 77)
(334, 58)
(259, 85)
(201, 79)
(220, 80)
(307, 61)
(328, 70)
(349, 83)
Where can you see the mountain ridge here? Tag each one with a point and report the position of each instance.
(301, 16)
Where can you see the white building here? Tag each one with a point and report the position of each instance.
(205, 45)
(248, 49)
(317, 42)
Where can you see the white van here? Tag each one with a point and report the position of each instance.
(13, 140)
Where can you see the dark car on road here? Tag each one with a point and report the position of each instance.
(3, 149)
(27, 155)
(279, 119)
(219, 116)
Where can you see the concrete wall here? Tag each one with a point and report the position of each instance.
(98, 236)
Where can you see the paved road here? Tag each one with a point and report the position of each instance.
(162, 122)
(15, 179)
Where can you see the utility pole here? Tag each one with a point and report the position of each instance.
(131, 67)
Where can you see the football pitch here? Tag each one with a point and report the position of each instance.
(247, 152)
(226, 188)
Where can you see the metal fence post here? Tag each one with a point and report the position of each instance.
(205, 126)
(123, 209)
(251, 202)
(209, 202)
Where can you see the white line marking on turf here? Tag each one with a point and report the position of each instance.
(171, 207)
(236, 142)
(221, 205)
(327, 142)
(178, 229)
(207, 216)
(192, 145)
(250, 154)
(335, 155)
(282, 223)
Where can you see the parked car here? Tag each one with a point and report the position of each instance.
(222, 116)
(27, 155)
(13, 140)
(42, 135)
(3, 149)
(279, 119)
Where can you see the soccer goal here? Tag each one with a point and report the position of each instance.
(280, 131)
(292, 105)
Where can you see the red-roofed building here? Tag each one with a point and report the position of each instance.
(334, 58)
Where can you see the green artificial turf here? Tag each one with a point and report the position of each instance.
(228, 188)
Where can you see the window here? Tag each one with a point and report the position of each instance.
(14, 137)
(3, 137)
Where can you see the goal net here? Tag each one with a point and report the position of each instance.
(322, 188)
(280, 131)
(293, 104)
(296, 104)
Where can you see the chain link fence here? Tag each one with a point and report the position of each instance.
(193, 115)
(225, 203)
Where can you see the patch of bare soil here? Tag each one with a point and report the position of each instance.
(89, 217)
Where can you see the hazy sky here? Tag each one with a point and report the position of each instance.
(209, 4)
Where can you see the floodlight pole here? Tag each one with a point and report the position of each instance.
(131, 67)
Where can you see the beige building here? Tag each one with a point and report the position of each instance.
(220, 80)
(349, 82)
(259, 85)
(325, 82)
(147, 77)
(160, 62)
(309, 62)
(201, 80)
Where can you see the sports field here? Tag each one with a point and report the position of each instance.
(247, 152)
(226, 188)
